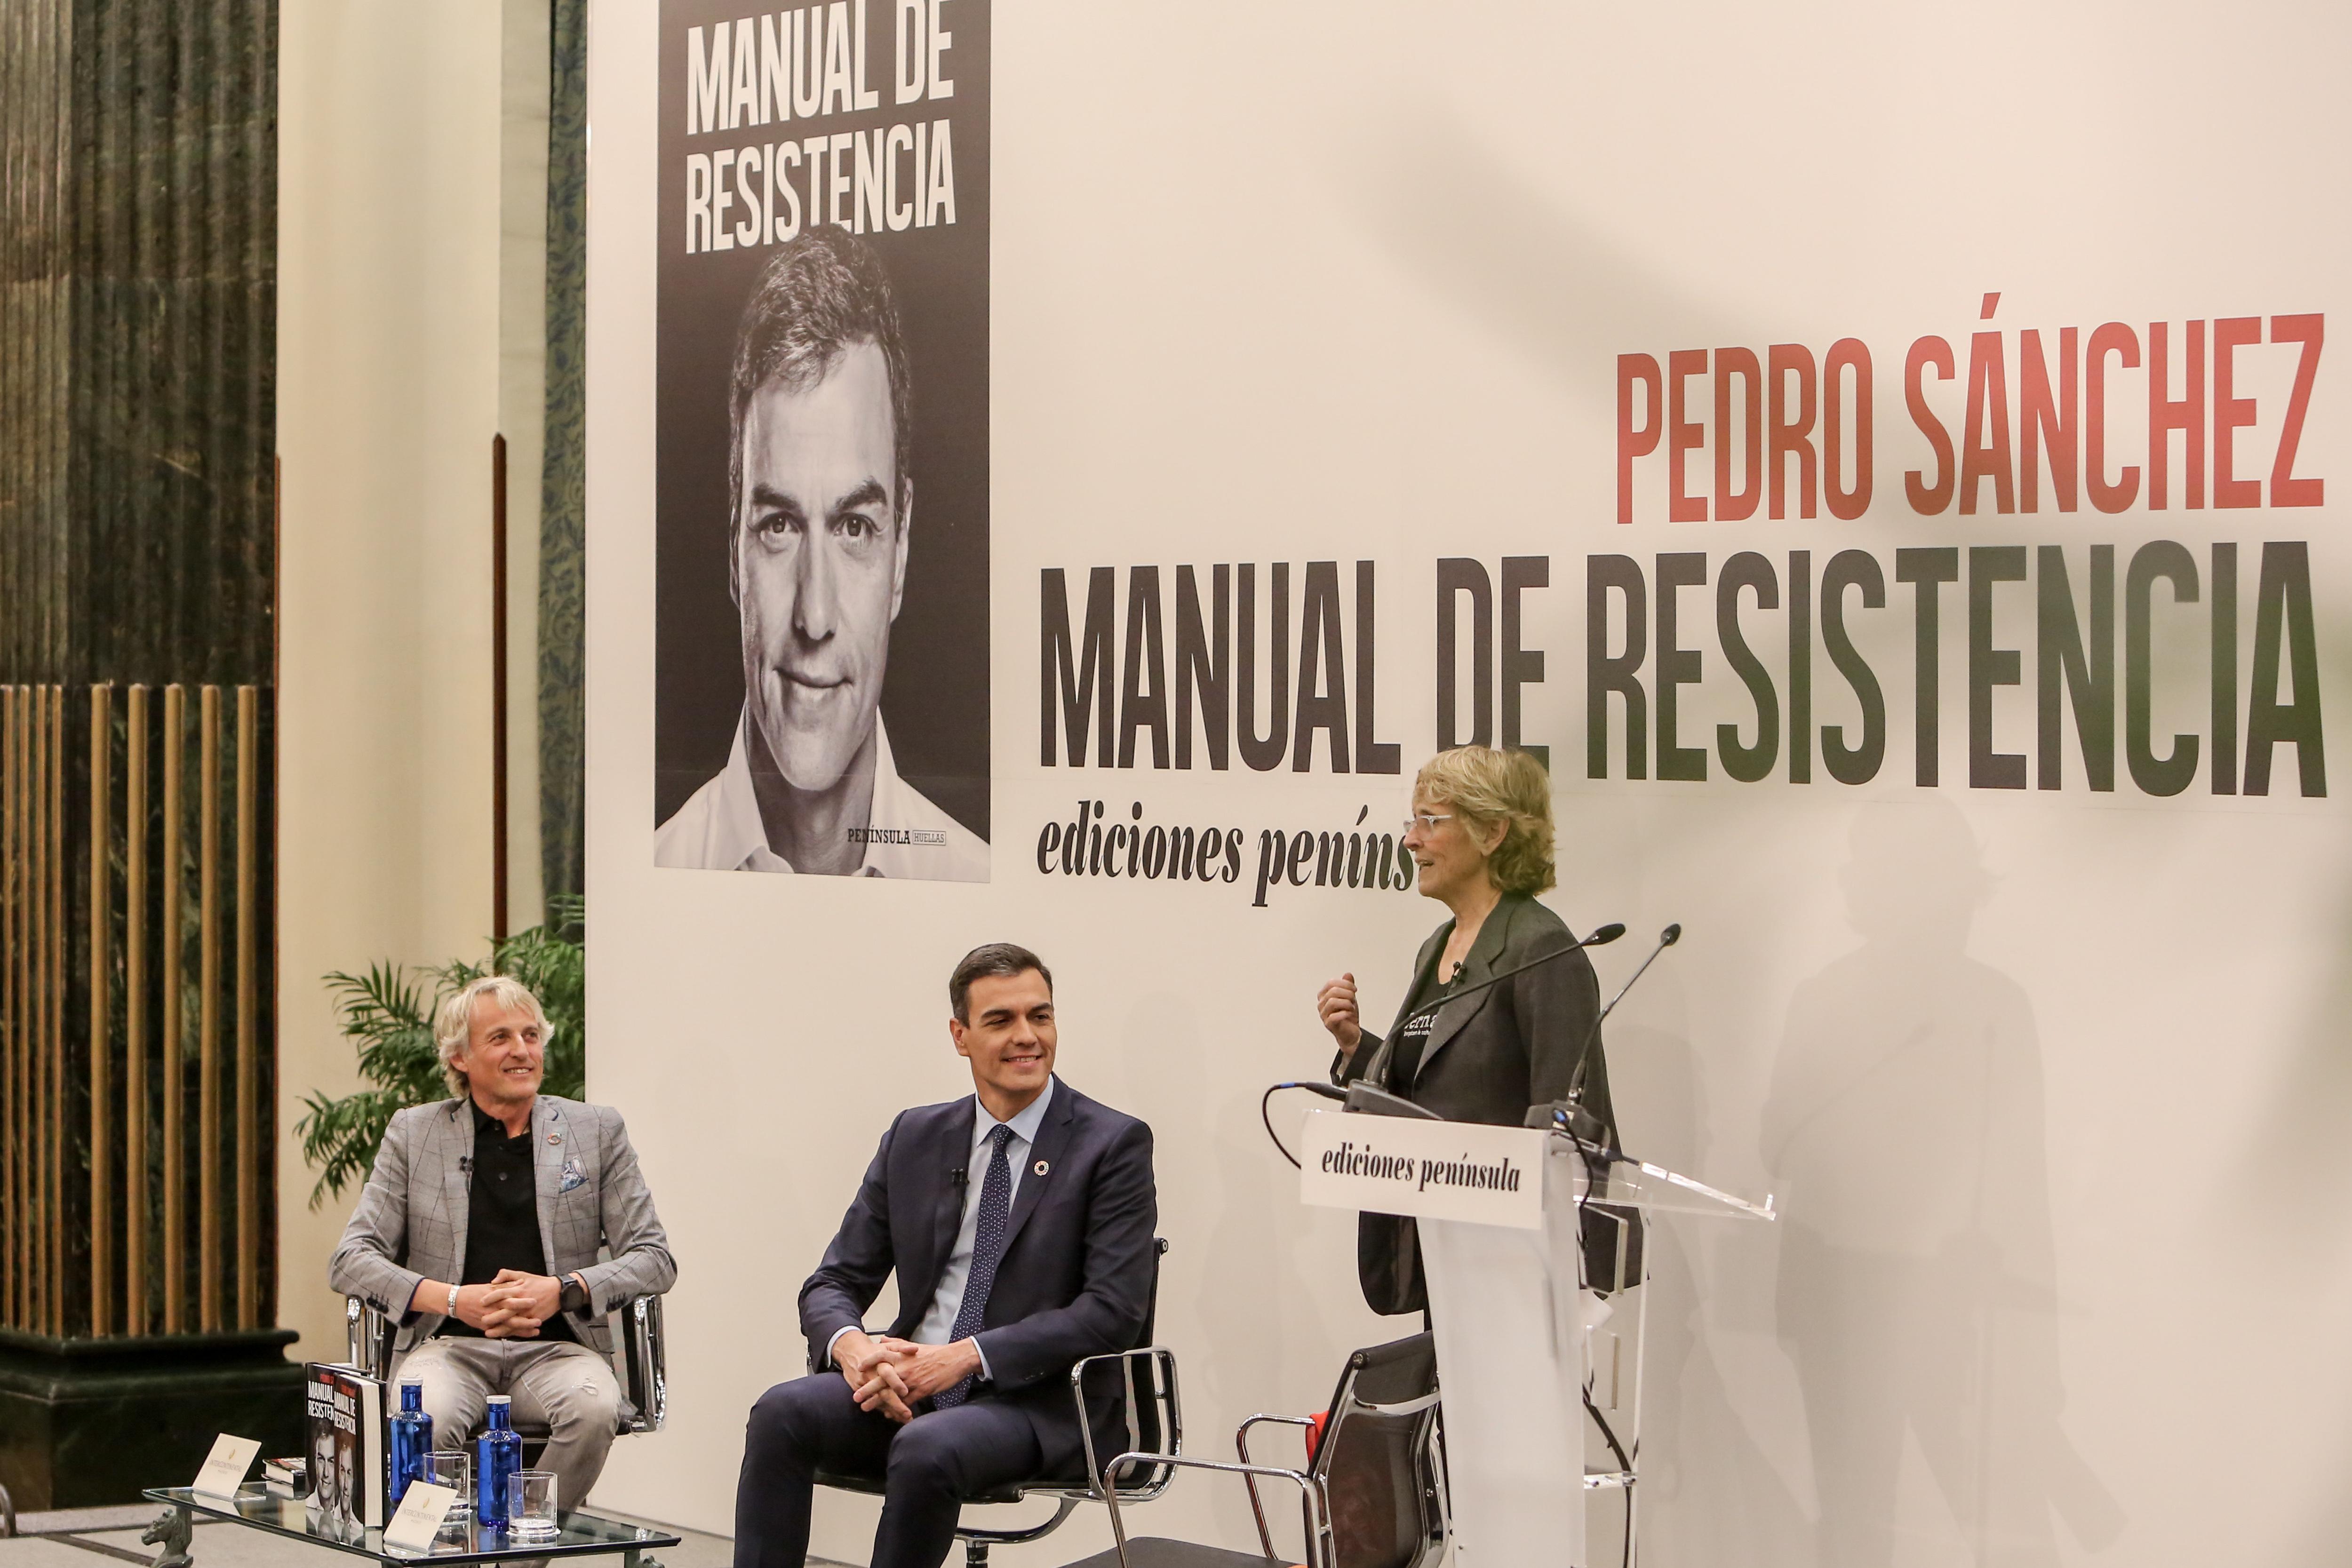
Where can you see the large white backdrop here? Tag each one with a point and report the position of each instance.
(2052, 1082)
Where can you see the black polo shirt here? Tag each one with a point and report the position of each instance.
(502, 1218)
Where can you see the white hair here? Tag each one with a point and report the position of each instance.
(453, 1025)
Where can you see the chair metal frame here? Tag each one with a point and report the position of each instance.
(1346, 1404)
(1314, 1503)
(638, 1334)
(1315, 1500)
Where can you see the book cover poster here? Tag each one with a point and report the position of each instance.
(822, 511)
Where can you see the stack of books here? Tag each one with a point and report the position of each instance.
(290, 1476)
(349, 1465)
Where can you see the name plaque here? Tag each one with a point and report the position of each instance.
(1430, 1170)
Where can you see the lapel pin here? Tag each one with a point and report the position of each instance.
(1040, 1167)
(554, 1137)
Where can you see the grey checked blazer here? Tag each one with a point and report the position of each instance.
(410, 1223)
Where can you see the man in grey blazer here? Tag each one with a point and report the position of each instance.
(479, 1228)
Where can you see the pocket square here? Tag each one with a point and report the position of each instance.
(573, 1174)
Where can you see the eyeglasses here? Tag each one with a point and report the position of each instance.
(1427, 821)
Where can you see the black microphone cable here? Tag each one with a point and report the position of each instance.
(1265, 1108)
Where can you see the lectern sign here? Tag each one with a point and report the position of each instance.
(1431, 1170)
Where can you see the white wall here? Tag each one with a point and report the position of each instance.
(1347, 280)
(399, 206)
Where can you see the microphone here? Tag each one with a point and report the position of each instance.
(956, 1178)
(466, 1165)
(1362, 1095)
(1599, 939)
(1582, 1123)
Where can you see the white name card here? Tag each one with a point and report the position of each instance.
(225, 1465)
(1431, 1170)
(422, 1508)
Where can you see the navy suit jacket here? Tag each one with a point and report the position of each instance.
(1077, 1276)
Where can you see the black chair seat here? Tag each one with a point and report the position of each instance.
(872, 1486)
(996, 1494)
(1152, 1552)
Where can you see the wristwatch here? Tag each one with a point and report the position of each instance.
(453, 1301)
(575, 1295)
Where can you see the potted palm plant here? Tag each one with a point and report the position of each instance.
(387, 1014)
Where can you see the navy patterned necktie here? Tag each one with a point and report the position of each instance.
(987, 1251)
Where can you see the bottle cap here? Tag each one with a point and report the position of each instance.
(418, 1381)
(495, 1398)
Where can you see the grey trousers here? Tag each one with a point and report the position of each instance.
(566, 1388)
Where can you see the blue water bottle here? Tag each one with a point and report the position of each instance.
(499, 1455)
(412, 1438)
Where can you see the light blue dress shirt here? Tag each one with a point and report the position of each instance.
(938, 1326)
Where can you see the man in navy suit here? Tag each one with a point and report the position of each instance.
(1019, 1220)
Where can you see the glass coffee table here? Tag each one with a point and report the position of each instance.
(581, 1535)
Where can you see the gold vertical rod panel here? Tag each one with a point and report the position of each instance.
(20, 962)
(175, 1273)
(102, 961)
(208, 1123)
(249, 1130)
(37, 977)
(13, 1122)
(20, 948)
(134, 1012)
(11, 1056)
(57, 892)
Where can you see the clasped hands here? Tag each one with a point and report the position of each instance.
(511, 1306)
(888, 1375)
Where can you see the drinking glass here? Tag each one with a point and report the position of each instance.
(454, 1468)
(530, 1505)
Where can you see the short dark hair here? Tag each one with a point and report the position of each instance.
(992, 960)
(824, 293)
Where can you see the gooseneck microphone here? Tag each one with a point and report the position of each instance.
(1363, 1096)
(1599, 939)
(1583, 1122)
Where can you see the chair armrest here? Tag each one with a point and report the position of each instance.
(644, 1348)
(1098, 1480)
(1241, 1433)
(1241, 1447)
(1313, 1502)
(368, 1336)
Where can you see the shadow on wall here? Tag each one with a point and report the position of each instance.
(1710, 1494)
(1917, 1287)
(1493, 246)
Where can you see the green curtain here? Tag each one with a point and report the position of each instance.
(562, 710)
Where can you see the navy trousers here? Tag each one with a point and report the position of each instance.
(927, 1467)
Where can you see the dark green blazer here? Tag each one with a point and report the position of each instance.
(1489, 1057)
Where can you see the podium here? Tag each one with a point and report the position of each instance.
(1535, 1247)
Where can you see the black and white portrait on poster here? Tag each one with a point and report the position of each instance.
(821, 661)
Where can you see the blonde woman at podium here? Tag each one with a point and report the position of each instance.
(1481, 835)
